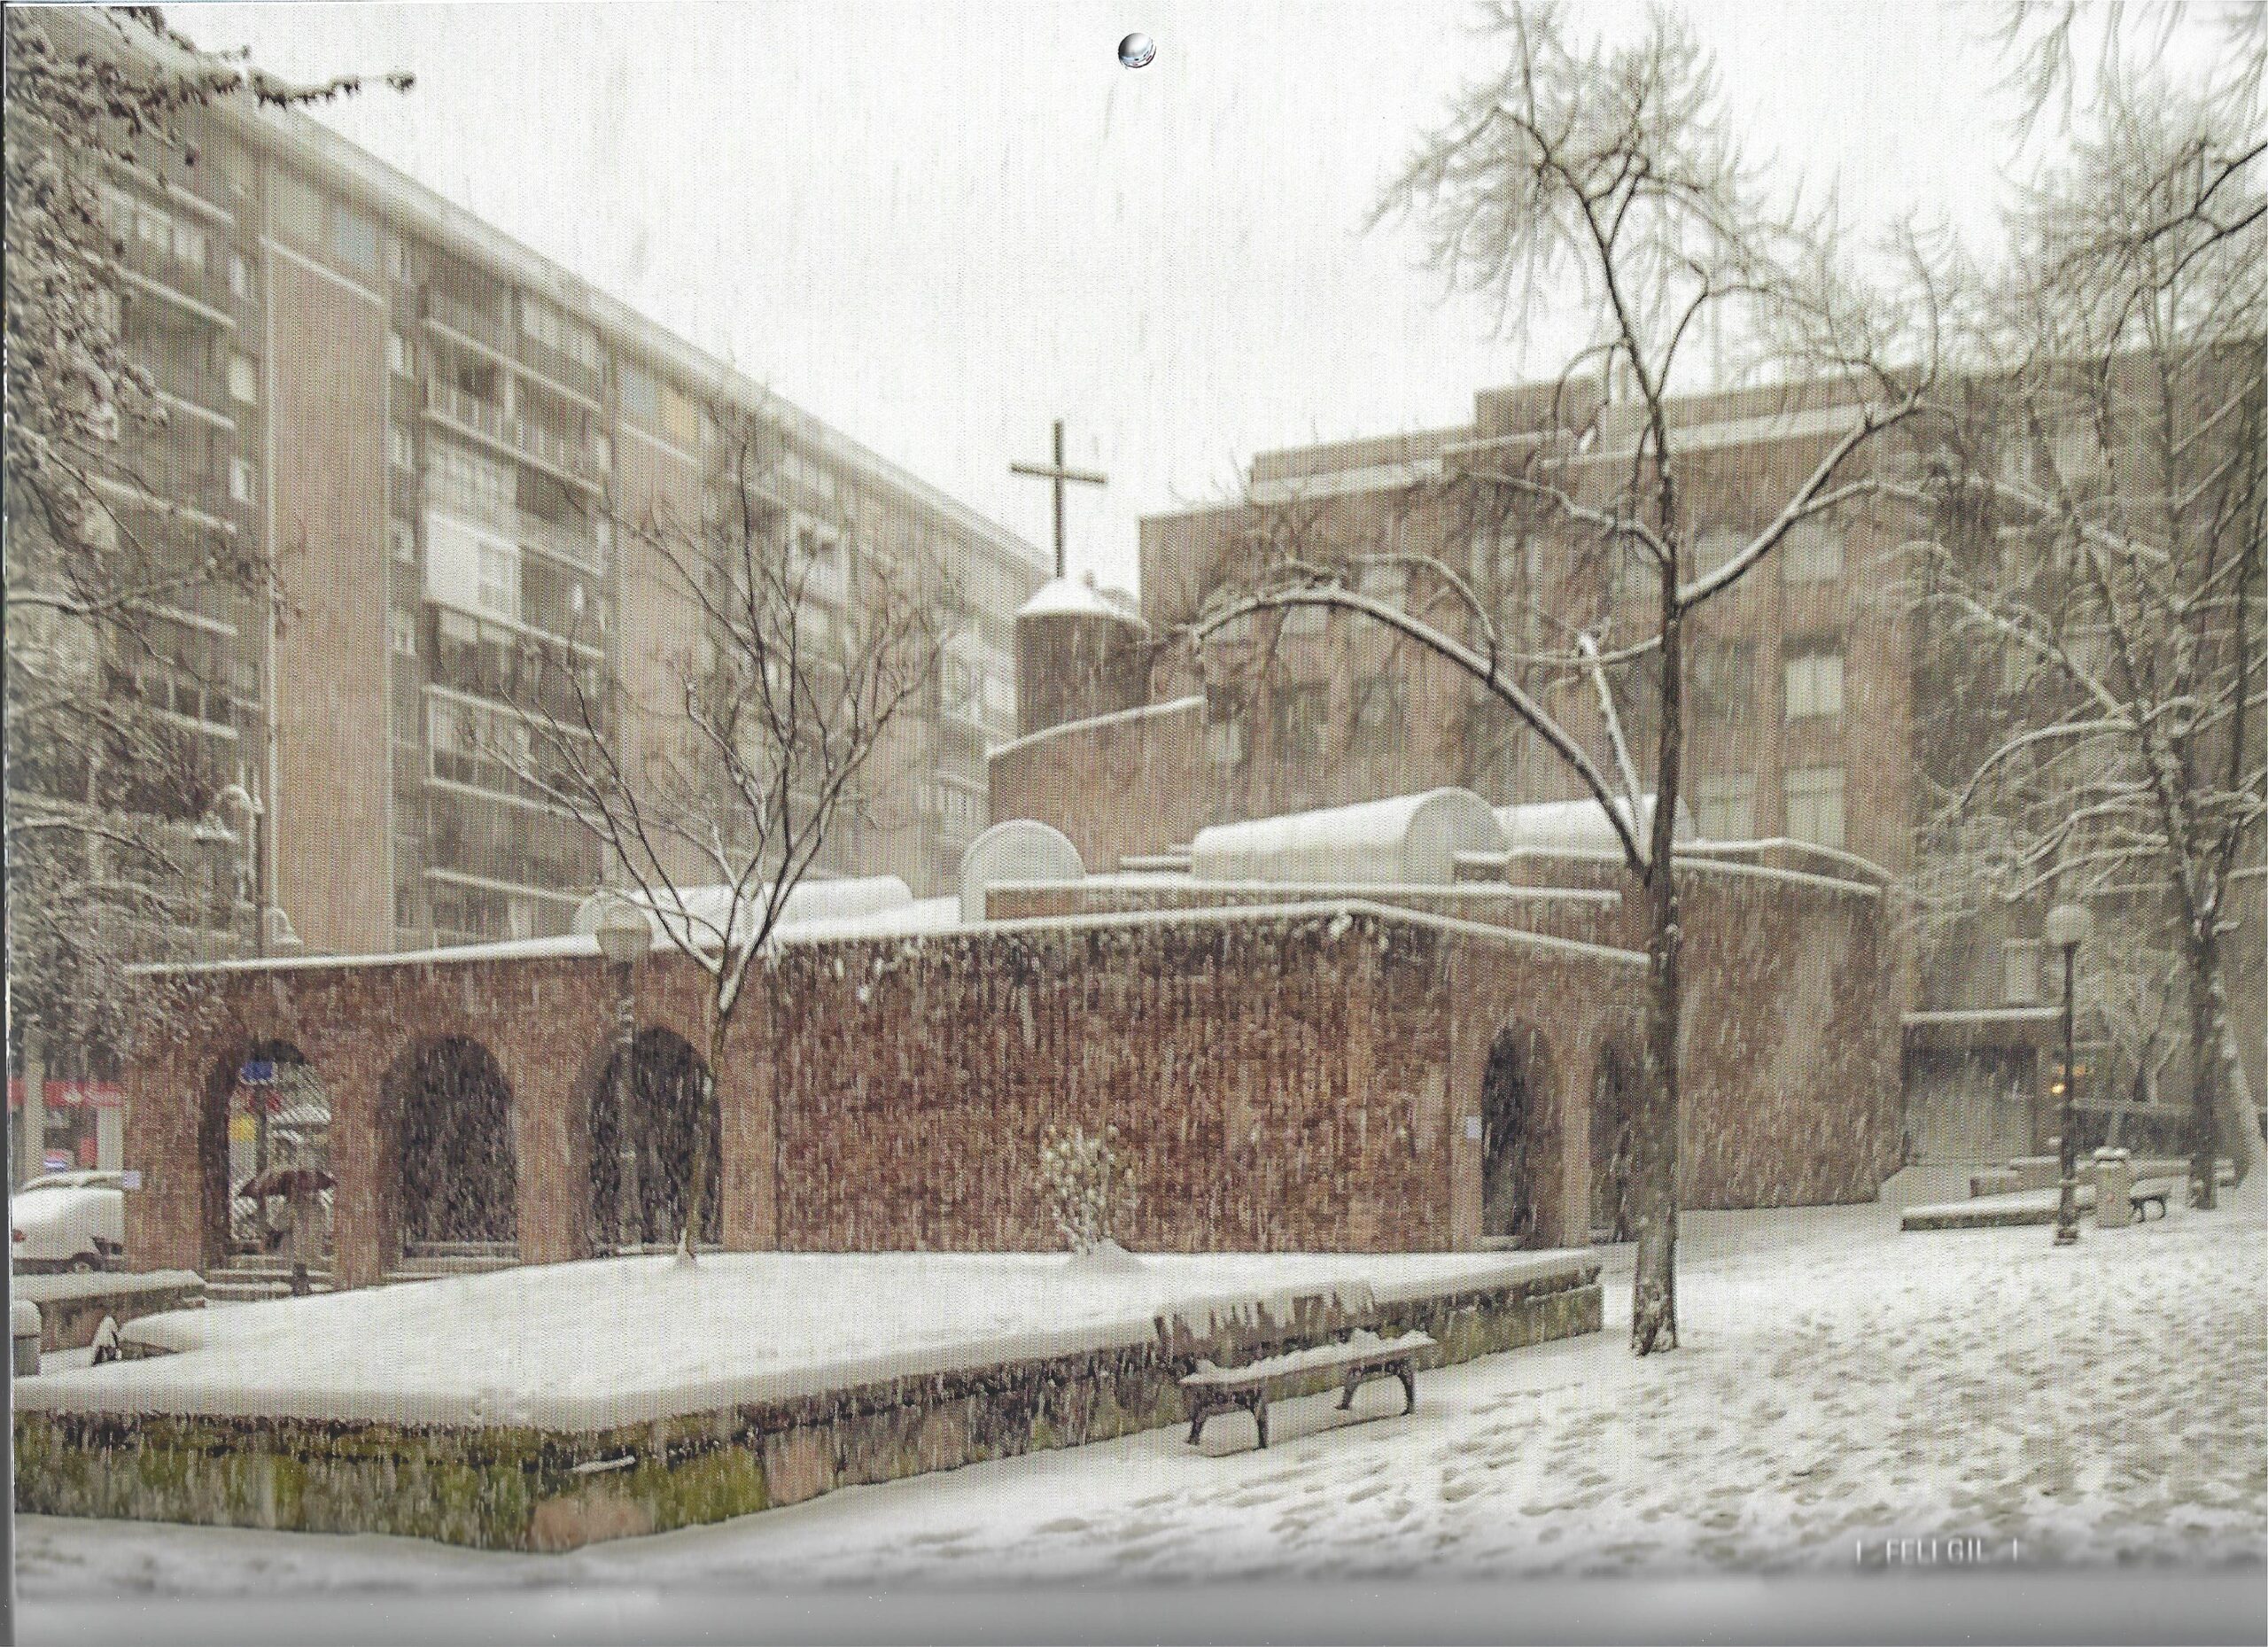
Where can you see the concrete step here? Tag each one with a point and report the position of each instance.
(236, 1292)
(264, 1270)
(508, 1251)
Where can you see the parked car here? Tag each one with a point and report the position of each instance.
(67, 1226)
(83, 1178)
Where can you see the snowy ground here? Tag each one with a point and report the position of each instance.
(631, 1340)
(1841, 1384)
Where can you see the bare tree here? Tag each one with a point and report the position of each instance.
(1606, 171)
(110, 859)
(2103, 498)
(717, 791)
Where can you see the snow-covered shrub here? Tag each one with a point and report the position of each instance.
(1086, 1185)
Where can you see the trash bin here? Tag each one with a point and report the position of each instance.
(23, 1329)
(2113, 1188)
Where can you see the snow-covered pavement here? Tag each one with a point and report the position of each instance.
(1841, 1384)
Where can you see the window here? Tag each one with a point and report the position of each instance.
(239, 276)
(401, 628)
(401, 447)
(1224, 727)
(242, 481)
(188, 244)
(1814, 797)
(1724, 675)
(1308, 620)
(155, 227)
(1381, 715)
(1384, 581)
(681, 420)
(1638, 580)
(298, 212)
(1810, 553)
(404, 538)
(2020, 973)
(641, 394)
(1000, 696)
(1814, 682)
(1299, 715)
(500, 580)
(355, 239)
(1717, 546)
(467, 483)
(1725, 807)
(399, 358)
(243, 379)
(2077, 449)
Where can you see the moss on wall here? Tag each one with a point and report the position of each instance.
(507, 1487)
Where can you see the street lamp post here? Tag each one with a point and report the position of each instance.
(2068, 926)
(238, 798)
(623, 935)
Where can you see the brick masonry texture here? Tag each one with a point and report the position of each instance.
(1280, 1080)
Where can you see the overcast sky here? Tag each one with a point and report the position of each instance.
(939, 226)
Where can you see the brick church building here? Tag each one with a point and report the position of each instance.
(1407, 1023)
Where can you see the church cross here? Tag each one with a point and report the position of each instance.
(1058, 474)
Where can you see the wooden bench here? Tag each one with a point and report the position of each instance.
(1292, 1337)
(2153, 1192)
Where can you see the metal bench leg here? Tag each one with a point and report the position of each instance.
(1347, 1394)
(1260, 1417)
(1408, 1377)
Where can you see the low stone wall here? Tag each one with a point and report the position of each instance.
(507, 1487)
(72, 1306)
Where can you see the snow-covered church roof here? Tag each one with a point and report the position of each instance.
(1075, 597)
(1404, 840)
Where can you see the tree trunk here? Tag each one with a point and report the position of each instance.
(1653, 1294)
(697, 1193)
(2221, 1118)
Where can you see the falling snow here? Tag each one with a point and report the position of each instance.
(1838, 1383)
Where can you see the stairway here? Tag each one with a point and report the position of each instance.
(430, 1260)
(248, 1277)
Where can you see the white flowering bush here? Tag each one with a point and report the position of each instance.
(1088, 1187)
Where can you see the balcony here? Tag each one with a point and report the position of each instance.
(201, 393)
(481, 325)
(571, 460)
(148, 468)
(571, 375)
(199, 290)
(565, 540)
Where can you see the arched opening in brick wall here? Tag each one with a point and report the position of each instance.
(665, 1092)
(1515, 1100)
(1614, 1112)
(258, 1085)
(453, 1160)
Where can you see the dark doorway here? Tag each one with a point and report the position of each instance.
(669, 1098)
(1511, 1100)
(262, 1086)
(1614, 1138)
(456, 1163)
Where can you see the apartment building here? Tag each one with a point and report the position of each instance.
(1819, 709)
(431, 429)
(1800, 682)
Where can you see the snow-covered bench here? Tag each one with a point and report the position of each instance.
(2153, 1192)
(1309, 1334)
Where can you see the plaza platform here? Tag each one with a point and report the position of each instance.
(547, 1407)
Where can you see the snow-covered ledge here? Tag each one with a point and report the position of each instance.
(498, 1411)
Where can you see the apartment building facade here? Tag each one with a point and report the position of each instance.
(435, 432)
(1819, 709)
